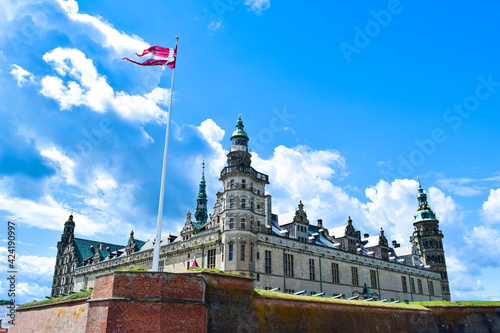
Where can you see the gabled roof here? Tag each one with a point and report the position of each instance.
(338, 231)
(82, 247)
(371, 241)
(286, 218)
(404, 250)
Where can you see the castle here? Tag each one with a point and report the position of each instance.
(284, 252)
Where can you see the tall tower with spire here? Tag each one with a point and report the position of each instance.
(201, 214)
(243, 206)
(428, 239)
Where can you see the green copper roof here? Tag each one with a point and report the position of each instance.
(82, 247)
(424, 212)
(239, 132)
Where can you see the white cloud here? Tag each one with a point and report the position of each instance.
(491, 207)
(35, 267)
(215, 25)
(47, 213)
(21, 75)
(102, 32)
(160, 96)
(258, 6)
(66, 164)
(485, 244)
(91, 89)
(465, 187)
(30, 291)
(447, 211)
(392, 206)
(87, 88)
(138, 108)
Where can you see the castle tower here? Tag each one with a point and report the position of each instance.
(62, 282)
(428, 239)
(243, 202)
(201, 214)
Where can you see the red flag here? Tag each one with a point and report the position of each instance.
(159, 56)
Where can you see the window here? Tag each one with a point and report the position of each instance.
(335, 273)
(243, 203)
(431, 288)
(403, 284)
(412, 285)
(242, 257)
(419, 285)
(231, 203)
(373, 278)
(312, 273)
(289, 265)
(267, 255)
(230, 252)
(187, 265)
(243, 184)
(231, 223)
(251, 253)
(242, 224)
(354, 275)
(211, 258)
(231, 184)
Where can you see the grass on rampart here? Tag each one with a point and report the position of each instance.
(278, 295)
(457, 304)
(82, 295)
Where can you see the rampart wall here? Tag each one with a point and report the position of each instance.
(219, 302)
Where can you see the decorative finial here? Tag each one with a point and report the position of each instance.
(176, 37)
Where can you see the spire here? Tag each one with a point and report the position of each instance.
(239, 139)
(201, 214)
(424, 212)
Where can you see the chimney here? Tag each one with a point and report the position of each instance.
(320, 223)
(367, 235)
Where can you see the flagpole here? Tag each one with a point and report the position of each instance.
(156, 252)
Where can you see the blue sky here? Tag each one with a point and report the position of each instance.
(345, 104)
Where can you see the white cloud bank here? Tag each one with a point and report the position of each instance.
(85, 87)
(491, 207)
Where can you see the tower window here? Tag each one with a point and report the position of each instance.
(231, 223)
(230, 252)
(242, 224)
(243, 203)
(231, 203)
(242, 254)
(243, 184)
(231, 184)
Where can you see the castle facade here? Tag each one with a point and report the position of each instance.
(285, 252)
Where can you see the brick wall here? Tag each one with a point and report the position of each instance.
(147, 302)
(275, 315)
(213, 302)
(467, 319)
(66, 317)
